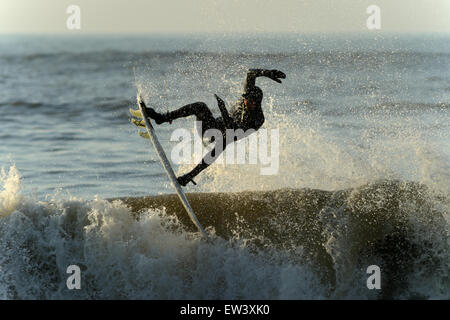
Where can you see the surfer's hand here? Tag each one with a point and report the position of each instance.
(219, 100)
(275, 75)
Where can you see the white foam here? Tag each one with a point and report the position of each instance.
(154, 258)
(126, 258)
(10, 190)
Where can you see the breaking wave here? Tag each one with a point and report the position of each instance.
(277, 244)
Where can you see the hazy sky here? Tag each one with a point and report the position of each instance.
(167, 16)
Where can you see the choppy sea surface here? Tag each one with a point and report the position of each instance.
(364, 168)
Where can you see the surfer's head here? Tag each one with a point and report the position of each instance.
(253, 97)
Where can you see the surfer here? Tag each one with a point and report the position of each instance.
(247, 114)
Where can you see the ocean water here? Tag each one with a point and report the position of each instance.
(364, 169)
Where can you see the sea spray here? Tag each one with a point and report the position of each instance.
(9, 190)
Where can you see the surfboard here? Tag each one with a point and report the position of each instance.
(166, 164)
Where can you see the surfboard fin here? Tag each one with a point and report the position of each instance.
(144, 135)
(135, 113)
(139, 123)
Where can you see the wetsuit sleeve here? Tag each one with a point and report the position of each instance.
(252, 74)
(223, 110)
(250, 80)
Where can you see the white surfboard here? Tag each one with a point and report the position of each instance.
(168, 168)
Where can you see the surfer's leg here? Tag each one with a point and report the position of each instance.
(199, 109)
(206, 161)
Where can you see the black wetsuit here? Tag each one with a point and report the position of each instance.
(240, 117)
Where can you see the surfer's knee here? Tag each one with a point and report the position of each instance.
(201, 106)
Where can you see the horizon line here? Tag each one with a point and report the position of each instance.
(224, 33)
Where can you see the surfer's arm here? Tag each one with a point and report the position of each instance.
(223, 110)
(250, 79)
(252, 74)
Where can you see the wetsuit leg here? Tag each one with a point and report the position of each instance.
(201, 111)
(198, 109)
(206, 161)
(203, 114)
